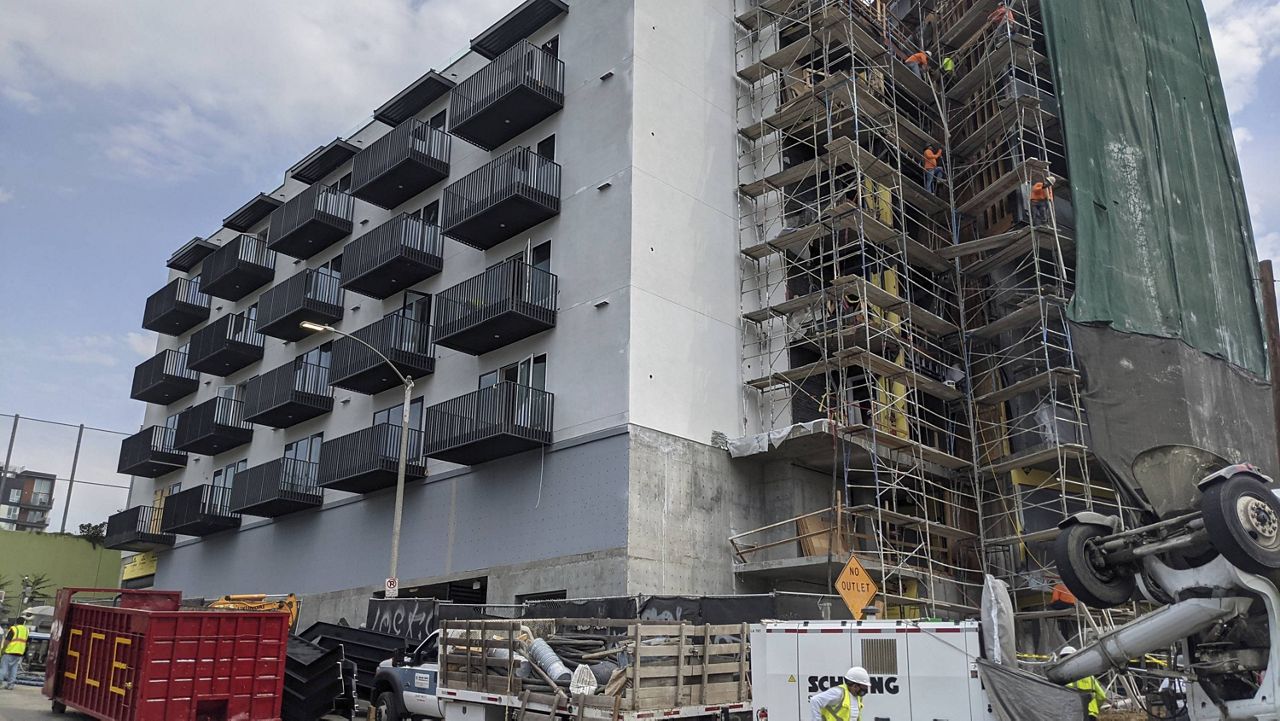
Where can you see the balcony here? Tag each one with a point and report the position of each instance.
(199, 511)
(490, 423)
(314, 295)
(137, 529)
(508, 302)
(311, 221)
(407, 342)
(399, 165)
(367, 460)
(288, 395)
(517, 90)
(175, 308)
(238, 268)
(396, 255)
(225, 346)
(511, 194)
(277, 488)
(150, 453)
(213, 427)
(164, 378)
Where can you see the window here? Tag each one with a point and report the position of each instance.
(552, 46)
(311, 370)
(531, 372)
(343, 184)
(35, 516)
(417, 306)
(392, 415)
(15, 495)
(547, 147)
(429, 214)
(9, 512)
(539, 256)
(241, 325)
(301, 460)
(305, 449)
(8, 527)
(223, 477)
(438, 120)
(43, 485)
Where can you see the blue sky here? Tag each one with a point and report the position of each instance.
(127, 129)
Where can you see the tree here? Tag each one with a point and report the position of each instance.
(94, 533)
(35, 590)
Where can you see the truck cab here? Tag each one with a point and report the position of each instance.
(404, 689)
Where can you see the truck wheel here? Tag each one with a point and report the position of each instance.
(1242, 516)
(1093, 586)
(388, 707)
(59, 707)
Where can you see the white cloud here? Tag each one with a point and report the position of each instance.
(1242, 136)
(1246, 38)
(102, 350)
(203, 85)
(143, 344)
(5, 195)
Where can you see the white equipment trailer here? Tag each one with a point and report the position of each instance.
(770, 670)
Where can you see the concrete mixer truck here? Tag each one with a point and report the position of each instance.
(1211, 559)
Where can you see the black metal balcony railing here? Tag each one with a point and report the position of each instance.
(519, 89)
(213, 427)
(490, 423)
(288, 395)
(137, 529)
(238, 268)
(368, 460)
(310, 222)
(276, 488)
(175, 308)
(164, 378)
(314, 295)
(199, 511)
(225, 345)
(399, 165)
(399, 253)
(511, 194)
(150, 453)
(407, 342)
(508, 302)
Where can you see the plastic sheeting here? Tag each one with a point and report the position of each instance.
(998, 622)
(1164, 243)
(1019, 696)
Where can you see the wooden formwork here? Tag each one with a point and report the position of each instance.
(676, 664)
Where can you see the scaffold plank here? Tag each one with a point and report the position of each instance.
(1027, 385)
(1024, 57)
(780, 60)
(1026, 315)
(846, 151)
(1043, 238)
(766, 12)
(926, 453)
(1025, 172)
(1036, 456)
(862, 358)
(1002, 123)
(970, 21)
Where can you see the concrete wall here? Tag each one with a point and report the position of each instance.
(66, 560)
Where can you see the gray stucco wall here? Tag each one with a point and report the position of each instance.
(522, 509)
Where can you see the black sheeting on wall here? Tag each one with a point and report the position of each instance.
(1142, 391)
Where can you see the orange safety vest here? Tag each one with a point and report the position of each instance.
(17, 646)
(919, 58)
(1040, 191)
(931, 159)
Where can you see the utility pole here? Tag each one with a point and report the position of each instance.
(71, 482)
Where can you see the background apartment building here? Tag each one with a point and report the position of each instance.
(26, 499)
(685, 315)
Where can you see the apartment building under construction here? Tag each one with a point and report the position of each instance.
(685, 314)
(907, 330)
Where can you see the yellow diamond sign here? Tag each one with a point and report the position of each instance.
(856, 587)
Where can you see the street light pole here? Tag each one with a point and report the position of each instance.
(401, 467)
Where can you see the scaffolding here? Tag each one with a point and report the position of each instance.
(921, 317)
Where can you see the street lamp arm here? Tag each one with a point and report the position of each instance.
(403, 378)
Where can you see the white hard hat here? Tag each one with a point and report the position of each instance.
(1066, 651)
(928, 53)
(858, 675)
(1051, 181)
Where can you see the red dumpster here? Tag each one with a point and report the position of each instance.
(143, 659)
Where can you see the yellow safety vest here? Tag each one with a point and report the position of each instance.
(1090, 685)
(18, 646)
(846, 708)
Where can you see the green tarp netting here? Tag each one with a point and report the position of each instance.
(1164, 243)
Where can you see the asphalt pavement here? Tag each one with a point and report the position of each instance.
(26, 703)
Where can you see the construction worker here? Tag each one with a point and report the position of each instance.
(1041, 197)
(919, 63)
(948, 66)
(836, 703)
(1001, 14)
(932, 171)
(15, 647)
(1088, 684)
